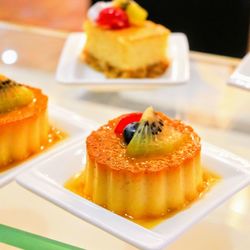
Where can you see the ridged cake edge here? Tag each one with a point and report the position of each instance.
(143, 195)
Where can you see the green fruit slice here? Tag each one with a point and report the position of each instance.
(154, 137)
(123, 4)
(136, 14)
(13, 95)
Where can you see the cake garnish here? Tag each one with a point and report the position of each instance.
(13, 95)
(136, 14)
(113, 18)
(129, 131)
(121, 3)
(148, 135)
(96, 8)
(127, 119)
(117, 14)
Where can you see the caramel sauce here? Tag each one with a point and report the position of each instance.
(209, 180)
(75, 185)
(54, 136)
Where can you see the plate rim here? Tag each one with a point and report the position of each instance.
(156, 241)
(238, 78)
(120, 81)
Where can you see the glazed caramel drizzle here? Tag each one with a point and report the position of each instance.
(55, 135)
(209, 180)
(75, 185)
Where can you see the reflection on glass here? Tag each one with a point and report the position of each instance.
(240, 202)
(9, 56)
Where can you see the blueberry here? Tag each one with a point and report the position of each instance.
(129, 131)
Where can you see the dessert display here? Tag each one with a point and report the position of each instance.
(24, 126)
(122, 43)
(142, 165)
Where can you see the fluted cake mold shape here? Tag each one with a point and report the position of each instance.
(141, 187)
(24, 130)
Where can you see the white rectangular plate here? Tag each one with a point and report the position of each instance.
(48, 177)
(75, 126)
(241, 76)
(71, 70)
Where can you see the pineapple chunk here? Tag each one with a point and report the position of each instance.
(121, 3)
(136, 14)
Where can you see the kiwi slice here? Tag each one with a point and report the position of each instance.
(13, 95)
(136, 14)
(123, 4)
(153, 136)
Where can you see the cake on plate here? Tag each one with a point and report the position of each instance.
(24, 123)
(143, 165)
(122, 43)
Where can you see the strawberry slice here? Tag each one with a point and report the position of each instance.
(133, 117)
(113, 18)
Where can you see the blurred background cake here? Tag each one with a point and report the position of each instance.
(24, 124)
(143, 165)
(122, 43)
(220, 19)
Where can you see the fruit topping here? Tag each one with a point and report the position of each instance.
(129, 131)
(13, 95)
(136, 14)
(117, 14)
(133, 117)
(113, 18)
(121, 3)
(96, 8)
(153, 136)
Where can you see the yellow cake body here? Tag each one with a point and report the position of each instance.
(21, 140)
(143, 195)
(141, 187)
(23, 130)
(130, 52)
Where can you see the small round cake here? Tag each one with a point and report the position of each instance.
(24, 123)
(143, 165)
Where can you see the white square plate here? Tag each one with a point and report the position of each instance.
(47, 179)
(71, 70)
(241, 76)
(76, 127)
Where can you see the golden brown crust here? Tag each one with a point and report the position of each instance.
(108, 150)
(149, 71)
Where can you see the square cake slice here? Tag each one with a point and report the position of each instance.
(134, 52)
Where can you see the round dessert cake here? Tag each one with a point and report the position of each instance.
(143, 165)
(24, 123)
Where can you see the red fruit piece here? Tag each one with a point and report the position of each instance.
(133, 117)
(113, 18)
